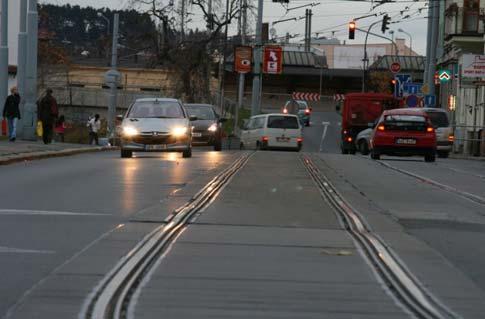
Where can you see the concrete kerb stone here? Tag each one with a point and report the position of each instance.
(50, 154)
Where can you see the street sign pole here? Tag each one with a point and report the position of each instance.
(255, 99)
(114, 84)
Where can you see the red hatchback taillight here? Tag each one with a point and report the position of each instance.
(264, 138)
(381, 128)
(429, 129)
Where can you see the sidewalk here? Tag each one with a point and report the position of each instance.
(466, 157)
(29, 150)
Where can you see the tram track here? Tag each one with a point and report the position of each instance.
(111, 298)
(405, 288)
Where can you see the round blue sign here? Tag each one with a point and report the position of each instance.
(412, 100)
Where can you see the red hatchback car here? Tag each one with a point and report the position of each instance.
(404, 132)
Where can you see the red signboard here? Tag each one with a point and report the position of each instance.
(243, 57)
(395, 67)
(273, 60)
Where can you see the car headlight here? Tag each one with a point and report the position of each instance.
(129, 131)
(179, 131)
(213, 127)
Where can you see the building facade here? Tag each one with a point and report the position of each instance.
(463, 28)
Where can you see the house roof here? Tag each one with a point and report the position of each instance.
(408, 63)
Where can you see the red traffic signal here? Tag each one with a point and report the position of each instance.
(352, 30)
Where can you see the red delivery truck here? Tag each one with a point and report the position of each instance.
(361, 109)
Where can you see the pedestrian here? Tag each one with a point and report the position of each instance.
(47, 113)
(11, 112)
(94, 125)
(60, 128)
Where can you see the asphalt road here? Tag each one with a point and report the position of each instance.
(51, 209)
(258, 243)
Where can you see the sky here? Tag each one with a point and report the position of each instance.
(328, 16)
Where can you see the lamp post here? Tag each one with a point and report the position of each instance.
(410, 41)
(107, 21)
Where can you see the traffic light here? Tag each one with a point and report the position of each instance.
(393, 85)
(352, 30)
(385, 23)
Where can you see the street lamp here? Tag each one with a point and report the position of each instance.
(410, 41)
(107, 21)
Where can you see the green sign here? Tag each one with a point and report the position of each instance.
(444, 75)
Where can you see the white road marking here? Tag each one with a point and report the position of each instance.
(11, 250)
(10, 212)
(325, 127)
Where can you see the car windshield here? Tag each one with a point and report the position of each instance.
(156, 109)
(439, 119)
(203, 112)
(302, 105)
(405, 123)
(287, 122)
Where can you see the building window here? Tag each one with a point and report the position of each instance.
(471, 15)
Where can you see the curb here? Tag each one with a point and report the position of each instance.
(51, 154)
(472, 158)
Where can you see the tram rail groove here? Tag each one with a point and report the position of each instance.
(110, 298)
(469, 196)
(401, 283)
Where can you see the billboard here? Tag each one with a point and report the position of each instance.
(473, 66)
(350, 57)
(243, 57)
(273, 59)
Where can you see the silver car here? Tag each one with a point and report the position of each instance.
(444, 131)
(156, 125)
(362, 141)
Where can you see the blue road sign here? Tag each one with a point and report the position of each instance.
(401, 79)
(412, 88)
(430, 100)
(412, 100)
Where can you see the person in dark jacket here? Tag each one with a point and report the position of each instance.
(11, 113)
(47, 113)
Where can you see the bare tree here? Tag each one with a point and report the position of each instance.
(190, 56)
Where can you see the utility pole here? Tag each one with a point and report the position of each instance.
(182, 21)
(222, 66)
(242, 76)
(306, 29)
(113, 77)
(428, 44)
(434, 40)
(22, 59)
(4, 55)
(309, 43)
(256, 98)
(30, 109)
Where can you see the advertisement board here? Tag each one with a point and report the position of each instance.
(243, 57)
(473, 66)
(273, 59)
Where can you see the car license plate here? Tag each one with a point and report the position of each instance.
(197, 134)
(406, 141)
(283, 139)
(157, 147)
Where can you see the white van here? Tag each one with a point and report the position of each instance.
(444, 130)
(272, 131)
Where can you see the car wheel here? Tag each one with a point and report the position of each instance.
(187, 153)
(307, 123)
(375, 155)
(352, 151)
(363, 147)
(126, 153)
(241, 146)
(217, 146)
(344, 150)
(430, 157)
(443, 154)
(258, 146)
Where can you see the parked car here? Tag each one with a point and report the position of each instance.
(156, 125)
(207, 129)
(444, 131)
(272, 131)
(404, 132)
(299, 108)
(362, 141)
